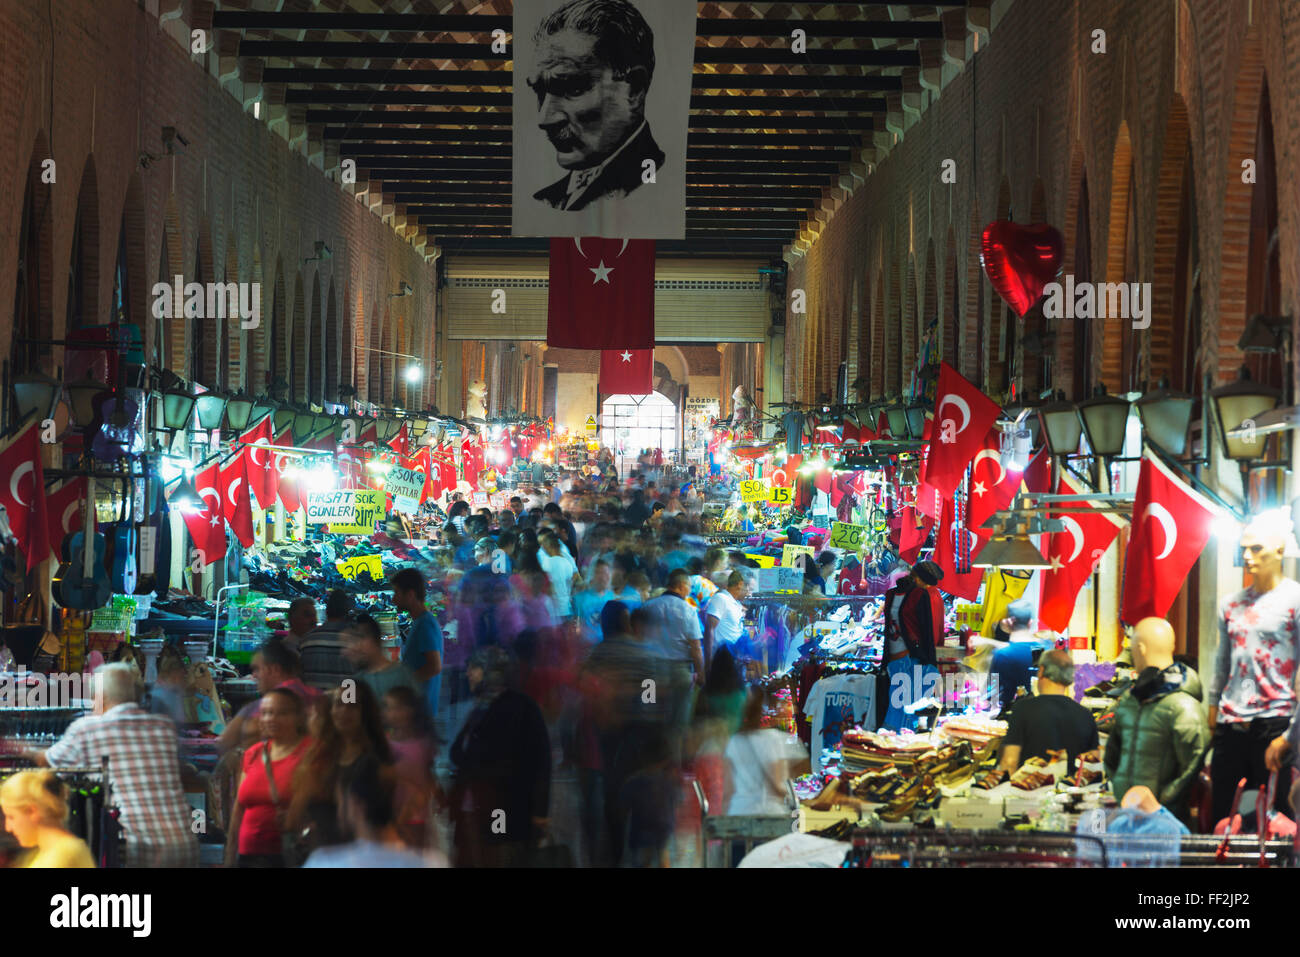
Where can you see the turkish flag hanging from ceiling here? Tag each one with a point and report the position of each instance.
(1074, 554)
(63, 511)
(1171, 524)
(954, 546)
(911, 536)
(963, 416)
(236, 503)
(602, 294)
(262, 476)
(992, 487)
(286, 483)
(627, 371)
(22, 493)
(207, 525)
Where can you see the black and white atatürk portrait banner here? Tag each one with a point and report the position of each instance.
(602, 93)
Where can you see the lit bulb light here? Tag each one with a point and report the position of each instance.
(1225, 528)
(320, 479)
(413, 373)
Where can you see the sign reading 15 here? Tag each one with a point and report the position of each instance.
(776, 495)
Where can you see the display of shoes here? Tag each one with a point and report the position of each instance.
(991, 780)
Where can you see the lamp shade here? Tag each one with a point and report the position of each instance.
(262, 407)
(916, 421)
(36, 394)
(211, 407)
(1165, 417)
(1062, 426)
(81, 401)
(304, 425)
(239, 411)
(283, 418)
(177, 407)
(1010, 553)
(1240, 402)
(1105, 420)
(897, 415)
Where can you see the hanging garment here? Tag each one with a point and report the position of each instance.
(1001, 588)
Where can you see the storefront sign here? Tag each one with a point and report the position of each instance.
(350, 568)
(753, 490)
(776, 495)
(790, 551)
(847, 536)
(406, 486)
(346, 512)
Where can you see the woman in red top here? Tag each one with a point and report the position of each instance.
(257, 819)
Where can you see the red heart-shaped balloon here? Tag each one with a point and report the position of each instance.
(1021, 260)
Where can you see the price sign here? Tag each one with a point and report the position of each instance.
(847, 536)
(347, 511)
(752, 490)
(789, 580)
(776, 495)
(764, 561)
(406, 486)
(790, 553)
(479, 499)
(350, 568)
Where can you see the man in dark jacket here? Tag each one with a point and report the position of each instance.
(1160, 733)
(502, 759)
(913, 628)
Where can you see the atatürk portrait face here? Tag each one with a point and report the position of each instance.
(584, 109)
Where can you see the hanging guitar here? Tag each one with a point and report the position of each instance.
(117, 432)
(85, 586)
(155, 538)
(124, 574)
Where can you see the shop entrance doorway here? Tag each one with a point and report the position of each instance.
(632, 423)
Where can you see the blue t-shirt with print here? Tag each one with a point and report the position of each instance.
(424, 638)
(588, 605)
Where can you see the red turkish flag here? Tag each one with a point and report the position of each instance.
(784, 476)
(22, 493)
(1038, 473)
(912, 536)
(401, 442)
(471, 461)
(63, 512)
(1074, 554)
(1171, 524)
(286, 484)
(263, 479)
(963, 416)
(207, 524)
(236, 503)
(950, 542)
(992, 487)
(602, 294)
(447, 471)
(627, 371)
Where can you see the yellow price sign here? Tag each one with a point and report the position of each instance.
(789, 552)
(776, 495)
(847, 536)
(350, 568)
(764, 561)
(752, 490)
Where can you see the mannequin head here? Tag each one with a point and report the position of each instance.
(1153, 644)
(1262, 546)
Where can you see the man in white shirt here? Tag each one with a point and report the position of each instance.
(725, 615)
(561, 570)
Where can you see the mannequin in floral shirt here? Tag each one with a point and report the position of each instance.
(1252, 697)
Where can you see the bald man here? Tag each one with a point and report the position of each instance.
(1252, 696)
(1160, 733)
